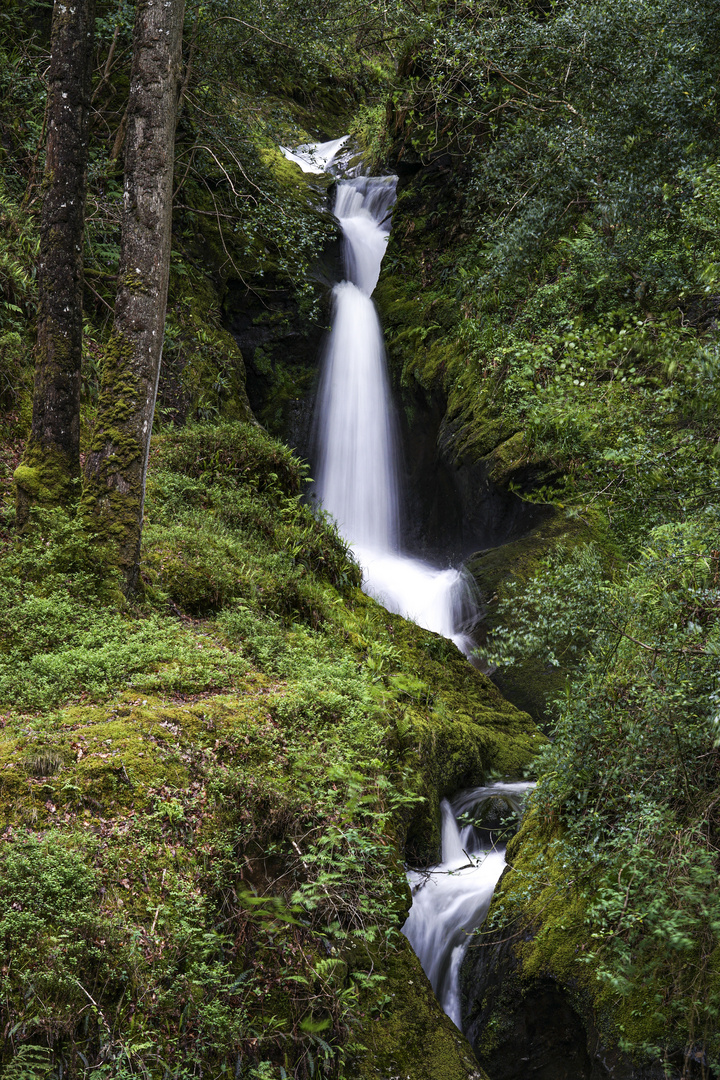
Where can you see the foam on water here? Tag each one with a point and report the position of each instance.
(315, 157)
(451, 899)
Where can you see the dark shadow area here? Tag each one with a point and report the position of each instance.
(452, 510)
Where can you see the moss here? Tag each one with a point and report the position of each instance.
(115, 757)
(308, 189)
(203, 370)
(529, 685)
(245, 843)
(45, 477)
(240, 453)
(114, 484)
(538, 941)
(478, 434)
(453, 729)
(408, 1035)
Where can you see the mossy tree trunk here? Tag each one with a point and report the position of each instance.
(50, 466)
(114, 484)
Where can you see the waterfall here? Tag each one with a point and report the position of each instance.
(451, 899)
(357, 483)
(315, 157)
(357, 478)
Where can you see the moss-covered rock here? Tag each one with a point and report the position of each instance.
(530, 685)
(203, 370)
(409, 1035)
(531, 1004)
(455, 730)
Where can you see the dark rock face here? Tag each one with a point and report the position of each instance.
(545, 1040)
(540, 1030)
(282, 347)
(452, 508)
(281, 351)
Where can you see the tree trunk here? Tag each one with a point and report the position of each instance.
(114, 486)
(51, 463)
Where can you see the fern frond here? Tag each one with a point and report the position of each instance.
(29, 1063)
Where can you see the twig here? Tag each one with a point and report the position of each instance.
(97, 295)
(108, 62)
(257, 30)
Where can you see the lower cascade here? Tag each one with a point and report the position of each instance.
(357, 476)
(451, 900)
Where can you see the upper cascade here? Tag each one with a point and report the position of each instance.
(315, 157)
(357, 474)
(363, 207)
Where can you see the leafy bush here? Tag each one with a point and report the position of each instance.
(628, 787)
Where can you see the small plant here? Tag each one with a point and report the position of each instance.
(29, 1062)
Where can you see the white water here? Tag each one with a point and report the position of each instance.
(357, 483)
(451, 900)
(315, 157)
(357, 480)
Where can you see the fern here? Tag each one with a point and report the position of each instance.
(30, 1062)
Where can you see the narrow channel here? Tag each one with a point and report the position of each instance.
(358, 484)
(451, 900)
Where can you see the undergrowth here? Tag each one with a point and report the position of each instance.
(202, 792)
(626, 801)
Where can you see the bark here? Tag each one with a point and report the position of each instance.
(114, 484)
(51, 463)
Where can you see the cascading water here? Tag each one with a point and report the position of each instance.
(315, 157)
(357, 484)
(357, 480)
(452, 899)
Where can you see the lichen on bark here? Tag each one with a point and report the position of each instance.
(51, 463)
(113, 492)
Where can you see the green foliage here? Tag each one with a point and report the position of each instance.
(521, 95)
(240, 454)
(582, 303)
(553, 626)
(64, 630)
(49, 925)
(28, 1063)
(18, 250)
(627, 788)
(230, 525)
(210, 821)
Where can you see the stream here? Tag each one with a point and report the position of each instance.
(357, 473)
(451, 899)
(358, 484)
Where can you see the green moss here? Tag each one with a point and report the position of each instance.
(240, 785)
(408, 1035)
(203, 371)
(453, 728)
(548, 911)
(530, 685)
(307, 189)
(46, 478)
